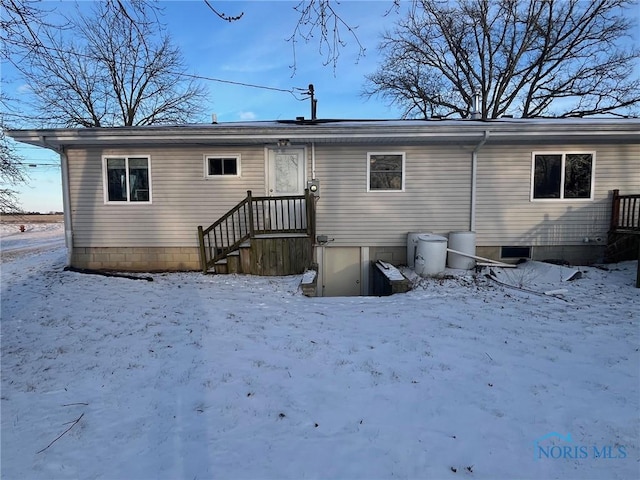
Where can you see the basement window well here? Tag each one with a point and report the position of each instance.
(515, 252)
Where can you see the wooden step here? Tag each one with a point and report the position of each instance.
(220, 267)
(230, 264)
(245, 257)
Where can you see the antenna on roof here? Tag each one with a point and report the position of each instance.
(314, 102)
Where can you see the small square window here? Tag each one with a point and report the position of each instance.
(222, 165)
(386, 171)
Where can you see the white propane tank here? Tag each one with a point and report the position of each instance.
(431, 256)
(464, 242)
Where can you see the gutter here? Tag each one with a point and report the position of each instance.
(474, 178)
(260, 132)
(66, 205)
(66, 198)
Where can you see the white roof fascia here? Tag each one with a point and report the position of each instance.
(266, 132)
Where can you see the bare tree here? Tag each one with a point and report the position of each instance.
(23, 23)
(116, 70)
(11, 173)
(20, 21)
(322, 19)
(527, 58)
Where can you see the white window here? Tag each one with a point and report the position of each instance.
(127, 179)
(225, 165)
(562, 176)
(385, 171)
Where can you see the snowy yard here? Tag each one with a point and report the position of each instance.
(196, 377)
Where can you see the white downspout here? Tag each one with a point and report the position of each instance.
(313, 160)
(66, 205)
(474, 182)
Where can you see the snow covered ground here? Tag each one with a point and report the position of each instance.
(37, 237)
(196, 377)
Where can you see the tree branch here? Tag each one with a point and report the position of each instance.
(526, 56)
(73, 424)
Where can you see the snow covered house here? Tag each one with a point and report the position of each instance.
(338, 193)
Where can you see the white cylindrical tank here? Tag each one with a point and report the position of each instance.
(431, 256)
(412, 247)
(464, 242)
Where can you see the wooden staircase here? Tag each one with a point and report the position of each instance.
(261, 236)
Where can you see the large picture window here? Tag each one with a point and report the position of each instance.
(127, 179)
(385, 172)
(222, 165)
(562, 176)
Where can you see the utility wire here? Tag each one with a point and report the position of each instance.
(290, 91)
(37, 164)
(242, 84)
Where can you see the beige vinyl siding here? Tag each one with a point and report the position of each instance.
(507, 216)
(182, 198)
(436, 196)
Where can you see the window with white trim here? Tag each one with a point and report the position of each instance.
(222, 165)
(562, 176)
(127, 179)
(385, 171)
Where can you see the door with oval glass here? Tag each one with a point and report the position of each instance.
(286, 168)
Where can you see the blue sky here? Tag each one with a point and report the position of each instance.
(252, 50)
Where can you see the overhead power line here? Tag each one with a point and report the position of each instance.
(291, 91)
(242, 84)
(38, 164)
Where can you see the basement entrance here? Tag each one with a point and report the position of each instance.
(342, 272)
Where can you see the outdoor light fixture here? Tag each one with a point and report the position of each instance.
(314, 187)
(284, 142)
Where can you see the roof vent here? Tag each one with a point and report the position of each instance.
(476, 113)
(214, 118)
(299, 119)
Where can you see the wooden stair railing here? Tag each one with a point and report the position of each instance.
(625, 219)
(625, 213)
(226, 234)
(293, 214)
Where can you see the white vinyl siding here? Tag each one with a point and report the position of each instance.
(436, 198)
(507, 216)
(182, 197)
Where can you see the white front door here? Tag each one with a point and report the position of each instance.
(286, 176)
(286, 172)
